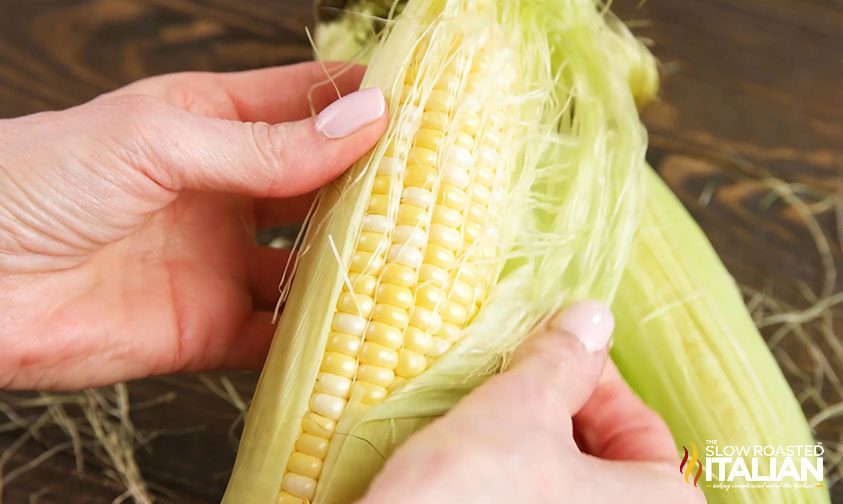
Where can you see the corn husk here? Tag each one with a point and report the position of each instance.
(686, 343)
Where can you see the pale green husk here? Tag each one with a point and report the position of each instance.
(687, 345)
(563, 244)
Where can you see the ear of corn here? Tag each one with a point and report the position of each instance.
(566, 192)
(686, 343)
(400, 306)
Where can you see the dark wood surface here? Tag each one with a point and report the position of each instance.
(752, 89)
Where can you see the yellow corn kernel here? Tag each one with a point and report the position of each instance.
(397, 274)
(410, 363)
(306, 465)
(368, 393)
(417, 340)
(379, 204)
(395, 295)
(449, 331)
(375, 375)
(426, 320)
(460, 292)
(434, 120)
(439, 256)
(471, 125)
(313, 445)
(372, 242)
(318, 425)
(343, 343)
(362, 283)
(447, 216)
(440, 101)
(365, 262)
(378, 355)
(421, 156)
(453, 197)
(454, 313)
(429, 138)
(464, 140)
(420, 176)
(439, 347)
(339, 364)
(384, 334)
(355, 304)
(472, 231)
(433, 275)
(429, 296)
(286, 498)
(382, 185)
(411, 215)
(445, 236)
(391, 315)
(484, 176)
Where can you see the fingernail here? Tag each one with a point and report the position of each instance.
(351, 112)
(590, 321)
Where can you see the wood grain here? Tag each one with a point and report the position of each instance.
(752, 89)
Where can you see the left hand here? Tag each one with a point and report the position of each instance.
(127, 224)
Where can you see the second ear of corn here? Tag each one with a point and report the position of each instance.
(510, 182)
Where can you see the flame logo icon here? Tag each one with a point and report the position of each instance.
(691, 461)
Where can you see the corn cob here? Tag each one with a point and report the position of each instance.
(435, 255)
(673, 304)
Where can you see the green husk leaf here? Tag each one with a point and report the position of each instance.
(688, 346)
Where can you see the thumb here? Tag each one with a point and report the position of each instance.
(551, 375)
(188, 151)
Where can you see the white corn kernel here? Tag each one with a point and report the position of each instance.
(327, 405)
(417, 196)
(409, 235)
(456, 176)
(373, 223)
(459, 156)
(446, 237)
(331, 384)
(390, 166)
(349, 324)
(404, 255)
(298, 485)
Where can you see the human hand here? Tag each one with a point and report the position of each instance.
(559, 426)
(127, 224)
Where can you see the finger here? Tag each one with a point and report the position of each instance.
(615, 424)
(266, 268)
(551, 376)
(290, 92)
(272, 95)
(249, 349)
(283, 212)
(180, 151)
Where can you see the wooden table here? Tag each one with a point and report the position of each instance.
(752, 89)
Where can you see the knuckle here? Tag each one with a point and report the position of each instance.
(269, 147)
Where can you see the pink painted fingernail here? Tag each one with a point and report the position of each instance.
(591, 322)
(351, 112)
